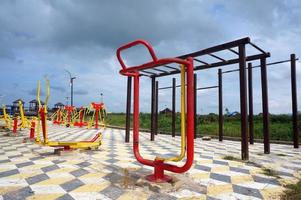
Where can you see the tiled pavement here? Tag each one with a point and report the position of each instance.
(30, 171)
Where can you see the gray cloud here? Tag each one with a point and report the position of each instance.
(80, 92)
(15, 85)
(58, 88)
(33, 92)
(46, 36)
(71, 24)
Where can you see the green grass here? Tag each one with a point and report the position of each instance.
(280, 125)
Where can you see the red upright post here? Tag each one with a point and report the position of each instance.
(15, 125)
(81, 115)
(96, 119)
(97, 107)
(59, 116)
(69, 116)
(69, 112)
(32, 129)
(195, 106)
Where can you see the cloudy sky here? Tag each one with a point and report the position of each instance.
(44, 38)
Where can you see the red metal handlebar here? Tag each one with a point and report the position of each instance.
(97, 106)
(131, 44)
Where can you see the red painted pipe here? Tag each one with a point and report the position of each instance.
(69, 111)
(134, 43)
(15, 125)
(43, 122)
(96, 120)
(93, 139)
(81, 115)
(32, 129)
(97, 107)
(59, 116)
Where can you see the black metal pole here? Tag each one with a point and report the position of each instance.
(153, 102)
(265, 106)
(71, 84)
(173, 128)
(195, 107)
(243, 103)
(251, 114)
(128, 110)
(294, 102)
(156, 108)
(220, 106)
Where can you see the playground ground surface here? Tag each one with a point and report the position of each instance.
(30, 171)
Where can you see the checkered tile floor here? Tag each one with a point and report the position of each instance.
(30, 171)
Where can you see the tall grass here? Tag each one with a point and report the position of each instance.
(280, 125)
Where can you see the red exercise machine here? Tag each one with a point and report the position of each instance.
(133, 71)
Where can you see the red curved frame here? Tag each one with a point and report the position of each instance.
(69, 110)
(58, 119)
(81, 123)
(97, 107)
(159, 165)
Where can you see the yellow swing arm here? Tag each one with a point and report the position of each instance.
(38, 140)
(24, 121)
(7, 119)
(183, 120)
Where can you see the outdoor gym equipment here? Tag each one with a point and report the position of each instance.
(7, 118)
(67, 145)
(58, 116)
(134, 71)
(70, 115)
(14, 123)
(99, 114)
(81, 118)
(25, 123)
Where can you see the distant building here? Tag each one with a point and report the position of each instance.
(58, 105)
(166, 111)
(235, 113)
(34, 105)
(15, 106)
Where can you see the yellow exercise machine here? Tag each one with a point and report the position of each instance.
(99, 115)
(6, 118)
(58, 116)
(25, 123)
(67, 145)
